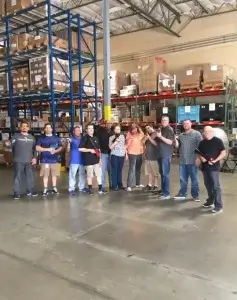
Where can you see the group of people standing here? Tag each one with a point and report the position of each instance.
(103, 150)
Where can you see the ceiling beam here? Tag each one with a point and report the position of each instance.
(170, 8)
(148, 17)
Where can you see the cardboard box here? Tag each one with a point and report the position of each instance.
(4, 88)
(215, 75)
(2, 8)
(190, 77)
(23, 41)
(40, 74)
(20, 80)
(43, 40)
(118, 80)
(13, 44)
(152, 65)
(148, 83)
(16, 5)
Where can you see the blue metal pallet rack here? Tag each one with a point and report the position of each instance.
(46, 18)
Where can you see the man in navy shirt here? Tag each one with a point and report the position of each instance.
(76, 165)
(49, 147)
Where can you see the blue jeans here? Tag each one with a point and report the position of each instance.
(212, 184)
(117, 163)
(74, 168)
(164, 168)
(185, 172)
(105, 167)
(135, 164)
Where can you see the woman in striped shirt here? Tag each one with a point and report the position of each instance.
(117, 144)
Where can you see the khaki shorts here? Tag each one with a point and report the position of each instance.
(95, 169)
(151, 168)
(46, 169)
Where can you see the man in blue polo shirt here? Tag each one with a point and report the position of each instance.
(49, 146)
(76, 165)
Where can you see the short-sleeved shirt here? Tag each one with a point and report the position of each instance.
(51, 141)
(23, 147)
(135, 144)
(211, 149)
(188, 142)
(165, 150)
(120, 148)
(151, 152)
(88, 142)
(75, 154)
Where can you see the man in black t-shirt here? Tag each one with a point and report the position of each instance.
(89, 146)
(213, 151)
(103, 133)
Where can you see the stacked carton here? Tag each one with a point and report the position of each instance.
(214, 76)
(190, 78)
(43, 40)
(166, 82)
(21, 80)
(2, 8)
(148, 69)
(3, 83)
(40, 75)
(14, 5)
(117, 81)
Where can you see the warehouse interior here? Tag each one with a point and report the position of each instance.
(74, 62)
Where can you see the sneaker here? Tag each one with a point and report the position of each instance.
(208, 205)
(129, 189)
(55, 191)
(90, 192)
(122, 188)
(217, 210)
(196, 199)
(179, 197)
(155, 188)
(163, 197)
(115, 189)
(16, 197)
(140, 186)
(45, 192)
(102, 192)
(32, 194)
(72, 193)
(147, 188)
(83, 190)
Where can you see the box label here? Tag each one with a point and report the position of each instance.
(214, 68)
(189, 72)
(212, 106)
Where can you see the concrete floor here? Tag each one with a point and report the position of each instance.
(117, 247)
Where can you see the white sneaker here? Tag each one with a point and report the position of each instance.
(162, 197)
(140, 186)
(129, 189)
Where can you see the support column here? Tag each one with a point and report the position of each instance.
(107, 57)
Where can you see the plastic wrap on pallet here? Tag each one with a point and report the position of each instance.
(166, 82)
(117, 81)
(148, 69)
(214, 75)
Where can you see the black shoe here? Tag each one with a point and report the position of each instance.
(55, 191)
(16, 197)
(32, 194)
(45, 192)
(147, 188)
(90, 192)
(122, 188)
(208, 205)
(115, 189)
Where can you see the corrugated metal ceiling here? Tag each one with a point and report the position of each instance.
(135, 15)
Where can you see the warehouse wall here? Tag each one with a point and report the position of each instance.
(198, 29)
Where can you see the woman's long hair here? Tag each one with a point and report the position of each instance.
(133, 126)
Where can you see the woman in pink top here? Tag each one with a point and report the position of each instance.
(135, 150)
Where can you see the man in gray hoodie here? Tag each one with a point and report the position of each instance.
(24, 157)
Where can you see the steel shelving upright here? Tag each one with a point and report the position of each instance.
(46, 18)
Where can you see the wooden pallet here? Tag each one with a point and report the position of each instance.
(213, 86)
